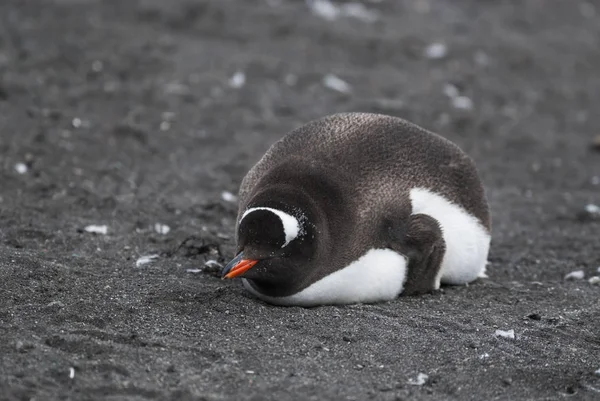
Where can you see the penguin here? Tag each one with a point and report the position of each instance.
(359, 208)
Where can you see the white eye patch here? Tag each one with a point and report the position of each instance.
(291, 227)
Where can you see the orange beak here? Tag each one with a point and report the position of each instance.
(238, 266)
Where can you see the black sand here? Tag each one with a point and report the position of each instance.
(123, 114)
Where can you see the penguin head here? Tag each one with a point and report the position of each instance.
(272, 245)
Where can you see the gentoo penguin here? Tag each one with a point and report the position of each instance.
(359, 208)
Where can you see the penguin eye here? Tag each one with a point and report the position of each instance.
(262, 225)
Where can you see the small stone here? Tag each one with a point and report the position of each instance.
(21, 168)
(145, 260)
(505, 334)
(96, 229)
(213, 264)
(534, 316)
(462, 103)
(420, 380)
(337, 84)
(237, 80)
(590, 212)
(250, 372)
(56, 303)
(347, 339)
(162, 229)
(507, 381)
(597, 373)
(228, 197)
(71, 373)
(575, 275)
(592, 209)
(595, 280)
(436, 51)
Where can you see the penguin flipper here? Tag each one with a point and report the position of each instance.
(421, 241)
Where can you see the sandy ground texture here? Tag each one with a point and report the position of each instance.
(138, 115)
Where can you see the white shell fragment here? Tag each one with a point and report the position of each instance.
(330, 11)
(337, 84)
(436, 51)
(228, 197)
(145, 260)
(595, 280)
(237, 80)
(96, 229)
(212, 263)
(505, 334)
(21, 168)
(162, 229)
(592, 209)
(420, 380)
(575, 275)
(462, 103)
(71, 373)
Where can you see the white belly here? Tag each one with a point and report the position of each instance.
(467, 241)
(379, 275)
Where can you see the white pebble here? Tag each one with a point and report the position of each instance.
(71, 373)
(212, 263)
(420, 380)
(96, 229)
(506, 334)
(145, 260)
(598, 269)
(228, 197)
(250, 372)
(324, 9)
(436, 51)
(162, 228)
(237, 80)
(451, 91)
(337, 84)
(597, 373)
(329, 11)
(21, 168)
(592, 209)
(484, 356)
(194, 271)
(77, 122)
(462, 103)
(360, 12)
(575, 275)
(594, 280)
